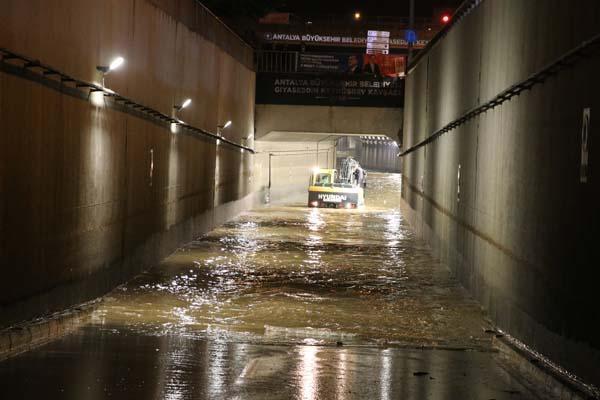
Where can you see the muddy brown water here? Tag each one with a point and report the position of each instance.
(291, 273)
(284, 302)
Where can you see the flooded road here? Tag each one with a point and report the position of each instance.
(282, 273)
(283, 302)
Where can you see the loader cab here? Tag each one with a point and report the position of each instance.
(323, 177)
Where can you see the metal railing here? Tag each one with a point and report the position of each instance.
(28, 67)
(276, 61)
(567, 60)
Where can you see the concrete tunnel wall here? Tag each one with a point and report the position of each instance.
(522, 237)
(381, 156)
(291, 167)
(90, 194)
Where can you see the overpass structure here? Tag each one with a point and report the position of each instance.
(310, 97)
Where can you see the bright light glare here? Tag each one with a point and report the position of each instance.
(315, 170)
(308, 372)
(227, 124)
(116, 63)
(356, 15)
(97, 99)
(395, 144)
(186, 103)
(445, 18)
(314, 203)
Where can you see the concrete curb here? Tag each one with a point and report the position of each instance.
(28, 335)
(541, 373)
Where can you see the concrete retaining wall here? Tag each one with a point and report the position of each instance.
(89, 194)
(291, 166)
(522, 232)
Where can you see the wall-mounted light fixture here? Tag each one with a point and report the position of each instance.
(224, 126)
(246, 140)
(179, 107)
(107, 69)
(183, 105)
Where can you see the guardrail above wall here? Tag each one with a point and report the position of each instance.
(276, 61)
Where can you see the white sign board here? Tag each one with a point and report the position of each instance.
(378, 42)
(382, 34)
(377, 51)
(379, 46)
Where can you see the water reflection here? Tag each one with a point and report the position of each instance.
(219, 359)
(284, 303)
(121, 364)
(307, 372)
(175, 376)
(290, 271)
(315, 220)
(342, 374)
(386, 374)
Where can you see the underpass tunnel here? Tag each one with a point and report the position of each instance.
(198, 204)
(287, 159)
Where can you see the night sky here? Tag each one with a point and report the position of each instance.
(257, 8)
(424, 8)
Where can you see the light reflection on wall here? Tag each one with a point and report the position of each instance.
(96, 171)
(97, 99)
(217, 180)
(241, 183)
(172, 208)
(98, 155)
